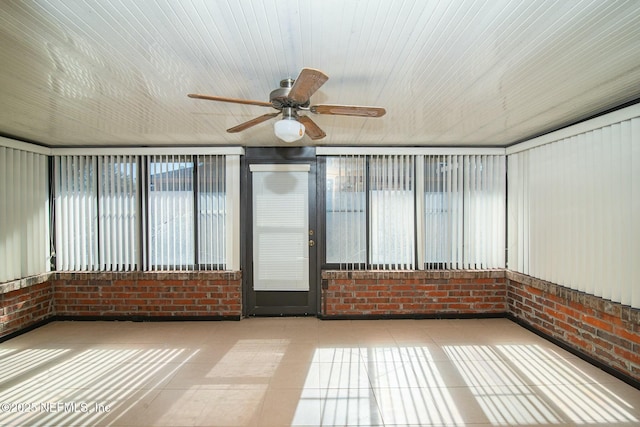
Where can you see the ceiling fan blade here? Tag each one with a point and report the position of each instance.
(348, 110)
(234, 100)
(252, 122)
(309, 80)
(312, 130)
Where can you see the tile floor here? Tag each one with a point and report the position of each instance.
(303, 372)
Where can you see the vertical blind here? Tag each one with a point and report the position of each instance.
(443, 229)
(76, 213)
(96, 205)
(118, 212)
(171, 213)
(373, 202)
(392, 211)
(24, 214)
(346, 213)
(212, 211)
(574, 209)
(370, 211)
(464, 211)
(186, 205)
(97, 215)
(484, 211)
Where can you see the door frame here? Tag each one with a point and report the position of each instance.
(277, 155)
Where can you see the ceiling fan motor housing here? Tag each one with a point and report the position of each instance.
(280, 97)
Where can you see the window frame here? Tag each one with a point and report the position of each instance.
(367, 264)
(196, 265)
(87, 253)
(470, 254)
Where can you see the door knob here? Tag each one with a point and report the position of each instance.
(312, 243)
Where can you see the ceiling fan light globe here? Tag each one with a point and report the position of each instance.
(289, 130)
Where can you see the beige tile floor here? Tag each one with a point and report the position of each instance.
(303, 372)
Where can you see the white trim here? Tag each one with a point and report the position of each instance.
(232, 225)
(293, 167)
(579, 128)
(158, 151)
(433, 151)
(24, 146)
(106, 151)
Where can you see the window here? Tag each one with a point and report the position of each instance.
(370, 211)
(464, 211)
(212, 211)
(377, 217)
(346, 210)
(442, 212)
(187, 212)
(76, 213)
(171, 213)
(392, 212)
(96, 213)
(98, 206)
(118, 212)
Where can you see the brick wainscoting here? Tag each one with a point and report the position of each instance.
(605, 331)
(413, 293)
(203, 295)
(25, 303)
(29, 302)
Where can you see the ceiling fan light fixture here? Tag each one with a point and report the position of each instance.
(289, 129)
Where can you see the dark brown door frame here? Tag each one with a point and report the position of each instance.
(277, 303)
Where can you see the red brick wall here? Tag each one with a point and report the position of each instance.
(149, 294)
(24, 303)
(413, 293)
(606, 331)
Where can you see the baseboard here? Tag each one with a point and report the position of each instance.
(29, 328)
(133, 318)
(416, 316)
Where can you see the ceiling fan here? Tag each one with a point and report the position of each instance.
(292, 97)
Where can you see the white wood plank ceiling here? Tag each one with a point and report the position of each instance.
(449, 72)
